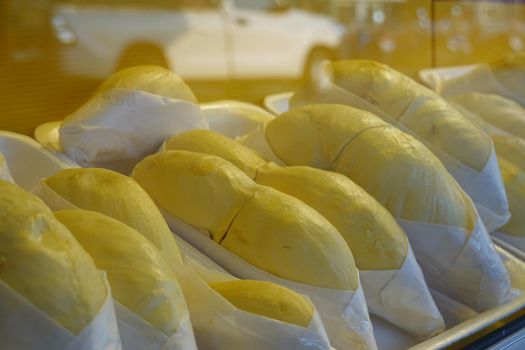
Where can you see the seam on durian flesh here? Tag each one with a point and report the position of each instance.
(235, 216)
(336, 159)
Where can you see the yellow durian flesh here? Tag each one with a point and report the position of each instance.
(375, 239)
(406, 178)
(210, 142)
(282, 235)
(514, 180)
(396, 169)
(139, 276)
(512, 148)
(499, 111)
(267, 299)
(119, 197)
(417, 107)
(149, 78)
(322, 131)
(42, 261)
(204, 191)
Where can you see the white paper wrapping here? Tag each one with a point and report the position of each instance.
(217, 324)
(138, 334)
(4, 172)
(25, 327)
(476, 79)
(515, 241)
(344, 313)
(461, 265)
(118, 127)
(485, 187)
(402, 297)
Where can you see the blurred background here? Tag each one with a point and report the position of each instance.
(54, 53)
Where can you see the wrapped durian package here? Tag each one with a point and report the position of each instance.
(393, 283)
(465, 151)
(257, 232)
(51, 294)
(504, 77)
(217, 323)
(449, 240)
(149, 302)
(4, 170)
(128, 117)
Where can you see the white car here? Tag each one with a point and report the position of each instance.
(198, 39)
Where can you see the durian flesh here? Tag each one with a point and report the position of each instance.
(152, 79)
(265, 227)
(140, 278)
(117, 196)
(395, 168)
(375, 239)
(415, 106)
(42, 261)
(499, 111)
(267, 299)
(207, 141)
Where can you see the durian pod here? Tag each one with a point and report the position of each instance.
(511, 158)
(114, 195)
(496, 110)
(272, 236)
(267, 299)
(408, 180)
(149, 78)
(141, 280)
(216, 322)
(503, 77)
(267, 228)
(234, 118)
(464, 150)
(50, 290)
(133, 111)
(4, 170)
(375, 239)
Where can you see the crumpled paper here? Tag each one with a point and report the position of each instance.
(216, 323)
(403, 298)
(485, 187)
(138, 334)
(25, 327)
(467, 268)
(20, 153)
(344, 313)
(118, 127)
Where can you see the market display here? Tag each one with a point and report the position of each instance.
(408, 180)
(464, 150)
(375, 239)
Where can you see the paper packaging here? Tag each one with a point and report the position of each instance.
(216, 322)
(459, 260)
(344, 313)
(478, 78)
(118, 127)
(4, 172)
(485, 187)
(25, 327)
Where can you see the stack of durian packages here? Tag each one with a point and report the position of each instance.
(147, 221)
